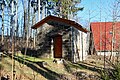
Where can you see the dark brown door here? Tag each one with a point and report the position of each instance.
(58, 46)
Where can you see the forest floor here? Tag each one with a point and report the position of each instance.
(31, 68)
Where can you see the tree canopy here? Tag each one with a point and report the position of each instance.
(65, 7)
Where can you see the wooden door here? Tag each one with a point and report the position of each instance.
(58, 46)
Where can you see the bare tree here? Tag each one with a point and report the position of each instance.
(3, 4)
(115, 17)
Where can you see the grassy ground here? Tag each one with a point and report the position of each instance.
(31, 68)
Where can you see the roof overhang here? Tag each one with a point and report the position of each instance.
(56, 21)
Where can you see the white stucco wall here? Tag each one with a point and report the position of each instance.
(83, 46)
(80, 46)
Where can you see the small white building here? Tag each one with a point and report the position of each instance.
(61, 38)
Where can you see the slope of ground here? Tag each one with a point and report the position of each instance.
(30, 68)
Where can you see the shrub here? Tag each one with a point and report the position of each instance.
(111, 73)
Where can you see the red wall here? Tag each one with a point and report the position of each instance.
(105, 29)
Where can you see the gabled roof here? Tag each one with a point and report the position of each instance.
(52, 20)
(105, 30)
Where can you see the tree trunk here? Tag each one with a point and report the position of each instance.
(2, 24)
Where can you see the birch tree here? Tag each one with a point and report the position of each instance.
(2, 4)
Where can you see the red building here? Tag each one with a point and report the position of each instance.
(106, 36)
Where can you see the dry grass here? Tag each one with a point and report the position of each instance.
(31, 70)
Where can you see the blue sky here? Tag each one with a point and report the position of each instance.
(93, 7)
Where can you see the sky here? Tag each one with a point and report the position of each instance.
(91, 11)
(93, 8)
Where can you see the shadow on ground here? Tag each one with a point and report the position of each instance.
(51, 75)
(48, 74)
(81, 75)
